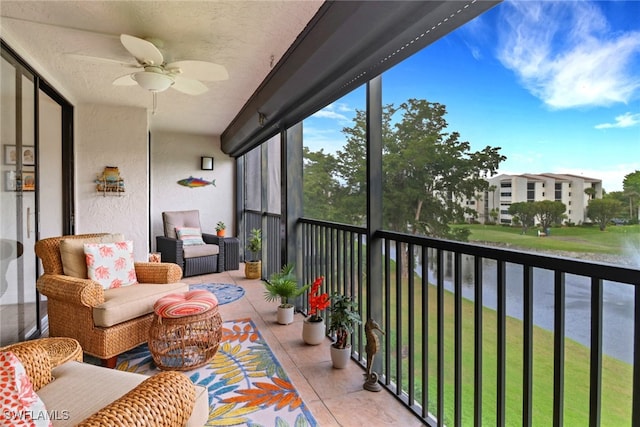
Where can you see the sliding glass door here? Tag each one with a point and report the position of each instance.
(31, 183)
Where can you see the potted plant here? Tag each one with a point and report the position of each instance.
(220, 228)
(253, 266)
(283, 286)
(343, 316)
(313, 328)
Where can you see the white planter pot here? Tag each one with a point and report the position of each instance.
(285, 315)
(340, 356)
(313, 333)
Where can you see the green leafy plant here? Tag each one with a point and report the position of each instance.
(220, 226)
(283, 286)
(254, 244)
(343, 316)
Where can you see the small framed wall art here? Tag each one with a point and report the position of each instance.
(28, 181)
(10, 156)
(206, 163)
(28, 155)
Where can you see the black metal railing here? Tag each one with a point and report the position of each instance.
(487, 336)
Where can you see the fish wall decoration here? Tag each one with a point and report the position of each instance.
(192, 182)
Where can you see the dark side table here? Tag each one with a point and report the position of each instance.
(231, 253)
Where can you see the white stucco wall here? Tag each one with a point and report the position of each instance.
(113, 136)
(176, 156)
(118, 136)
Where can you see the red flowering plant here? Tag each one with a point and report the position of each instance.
(317, 302)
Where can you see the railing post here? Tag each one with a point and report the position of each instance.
(558, 349)
(595, 383)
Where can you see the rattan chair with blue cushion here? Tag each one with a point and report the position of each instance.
(185, 244)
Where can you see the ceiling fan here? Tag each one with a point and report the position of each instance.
(156, 75)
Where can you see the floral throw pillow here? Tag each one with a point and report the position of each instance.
(190, 236)
(20, 405)
(111, 264)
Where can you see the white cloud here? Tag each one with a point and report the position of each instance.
(624, 121)
(566, 54)
(326, 114)
(329, 140)
(334, 111)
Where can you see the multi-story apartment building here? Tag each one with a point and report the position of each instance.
(566, 188)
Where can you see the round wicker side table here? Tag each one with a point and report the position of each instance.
(185, 342)
(60, 349)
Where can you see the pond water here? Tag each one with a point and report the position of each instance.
(617, 309)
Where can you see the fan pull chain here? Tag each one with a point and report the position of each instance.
(155, 103)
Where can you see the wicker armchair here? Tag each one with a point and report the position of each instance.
(163, 400)
(194, 260)
(72, 302)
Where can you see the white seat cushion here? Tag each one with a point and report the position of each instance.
(73, 392)
(122, 304)
(201, 250)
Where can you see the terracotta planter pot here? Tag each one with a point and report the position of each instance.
(313, 333)
(285, 315)
(253, 269)
(340, 356)
(220, 233)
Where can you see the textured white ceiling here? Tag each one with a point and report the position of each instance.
(247, 37)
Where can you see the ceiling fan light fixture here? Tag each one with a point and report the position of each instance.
(154, 82)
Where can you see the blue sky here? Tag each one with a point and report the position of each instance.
(555, 84)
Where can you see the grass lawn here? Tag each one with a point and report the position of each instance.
(616, 377)
(614, 240)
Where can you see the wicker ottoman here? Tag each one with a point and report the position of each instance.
(186, 330)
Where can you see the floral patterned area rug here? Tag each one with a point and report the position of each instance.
(247, 384)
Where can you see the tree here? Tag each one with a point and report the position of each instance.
(320, 186)
(525, 212)
(549, 212)
(428, 172)
(494, 214)
(631, 188)
(603, 210)
(591, 192)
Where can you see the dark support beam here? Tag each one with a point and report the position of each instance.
(374, 204)
(340, 50)
(292, 191)
(241, 227)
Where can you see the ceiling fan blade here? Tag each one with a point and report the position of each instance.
(100, 59)
(126, 80)
(189, 86)
(199, 70)
(144, 51)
